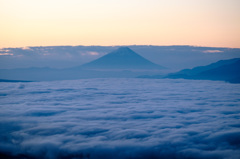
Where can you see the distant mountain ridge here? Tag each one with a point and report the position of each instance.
(176, 57)
(200, 69)
(121, 63)
(6, 80)
(122, 58)
(224, 70)
(125, 63)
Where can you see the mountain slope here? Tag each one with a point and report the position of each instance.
(121, 63)
(229, 72)
(226, 70)
(122, 58)
(200, 69)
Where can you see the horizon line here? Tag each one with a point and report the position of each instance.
(120, 46)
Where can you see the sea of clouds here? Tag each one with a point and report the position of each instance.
(120, 118)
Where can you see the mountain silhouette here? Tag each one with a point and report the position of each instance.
(200, 69)
(224, 70)
(121, 63)
(122, 58)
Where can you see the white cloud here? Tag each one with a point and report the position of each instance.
(120, 118)
(5, 54)
(26, 48)
(93, 53)
(212, 51)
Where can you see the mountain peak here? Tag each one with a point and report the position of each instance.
(123, 51)
(124, 48)
(122, 58)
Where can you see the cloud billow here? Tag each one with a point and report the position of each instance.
(121, 118)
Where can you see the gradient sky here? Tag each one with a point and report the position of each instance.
(119, 22)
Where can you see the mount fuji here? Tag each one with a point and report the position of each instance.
(121, 63)
(122, 58)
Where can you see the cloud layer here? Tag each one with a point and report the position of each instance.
(175, 57)
(120, 118)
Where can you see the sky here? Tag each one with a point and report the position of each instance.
(213, 23)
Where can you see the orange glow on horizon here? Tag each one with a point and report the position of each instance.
(137, 22)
